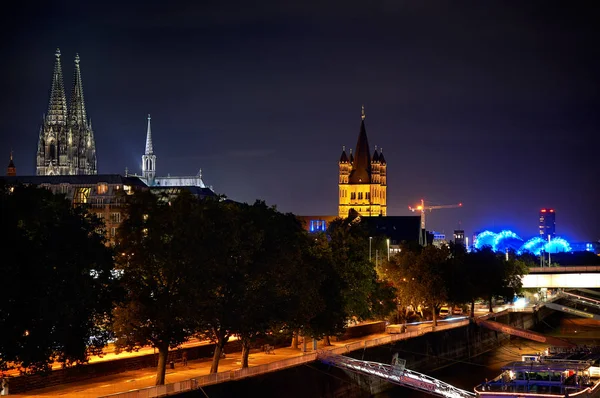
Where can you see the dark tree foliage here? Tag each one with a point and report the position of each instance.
(363, 294)
(57, 281)
(160, 274)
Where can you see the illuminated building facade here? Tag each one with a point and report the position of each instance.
(362, 179)
(547, 223)
(103, 194)
(66, 144)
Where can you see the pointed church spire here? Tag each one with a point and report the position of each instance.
(149, 150)
(11, 170)
(77, 114)
(57, 108)
(361, 168)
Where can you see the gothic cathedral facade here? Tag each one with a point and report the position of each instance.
(66, 143)
(362, 179)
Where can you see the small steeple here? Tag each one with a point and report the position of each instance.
(149, 158)
(351, 157)
(343, 158)
(375, 156)
(362, 113)
(149, 150)
(381, 158)
(11, 171)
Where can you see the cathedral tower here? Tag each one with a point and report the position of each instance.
(149, 158)
(362, 179)
(66, 144)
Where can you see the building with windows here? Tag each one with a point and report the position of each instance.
(459, 237)
(362, 179)
(66, 144)
(547, 223)
(101, 194)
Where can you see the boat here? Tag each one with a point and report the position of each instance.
(542, 376)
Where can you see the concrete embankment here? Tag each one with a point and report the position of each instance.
(424, 354)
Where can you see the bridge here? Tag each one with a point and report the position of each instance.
(395, 373)
(579, 276)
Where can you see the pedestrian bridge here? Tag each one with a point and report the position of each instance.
(395, 373)
(579, 276)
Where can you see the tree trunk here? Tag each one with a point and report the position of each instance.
(221, 341)
(161, 367)
(295, 341)
(472, 308)
(326, 341)
(245, 351)
(434, 316)
(491, 304)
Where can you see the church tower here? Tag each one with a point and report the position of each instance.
(66, 144)
(149, 158)
(11, 170)
(82, 146)
(362, 179)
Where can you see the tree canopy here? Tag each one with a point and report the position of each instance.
(57, 281)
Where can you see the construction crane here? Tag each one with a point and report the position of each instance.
(421, 208)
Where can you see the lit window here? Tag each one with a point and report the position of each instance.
(102, 188)
(113, 232)
(82, 195)
(115, 217)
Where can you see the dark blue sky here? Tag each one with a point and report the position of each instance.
(493, 104)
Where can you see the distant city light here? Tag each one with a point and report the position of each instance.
(508, 240)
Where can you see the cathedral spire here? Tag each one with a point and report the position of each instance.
(149, 150)
(77, 114)
(57, 108)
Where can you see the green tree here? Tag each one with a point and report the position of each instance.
(56, 299)
(363, 294)
(160, 274)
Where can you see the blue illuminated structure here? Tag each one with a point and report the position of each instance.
(507, 239)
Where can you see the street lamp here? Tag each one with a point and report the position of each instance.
(388, 247)
(370, 241)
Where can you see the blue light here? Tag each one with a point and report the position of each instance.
(557, 245)
(486, 238)
(507, 239)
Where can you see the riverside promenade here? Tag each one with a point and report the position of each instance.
(140, 383)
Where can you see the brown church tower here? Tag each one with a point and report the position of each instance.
(11, 170)
(362, 179)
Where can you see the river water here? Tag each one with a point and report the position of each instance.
(467, 374)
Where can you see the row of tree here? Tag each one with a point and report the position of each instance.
(181, 267)
(436, 276)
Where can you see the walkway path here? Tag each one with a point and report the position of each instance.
(137, 379)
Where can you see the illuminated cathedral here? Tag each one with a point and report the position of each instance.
(66, 144)
(362, 179)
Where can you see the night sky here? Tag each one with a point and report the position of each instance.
(491, 103)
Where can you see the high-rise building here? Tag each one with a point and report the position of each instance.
(66, 144)
(362, 179)
(547, 223)
(11, 170)
(459, 237)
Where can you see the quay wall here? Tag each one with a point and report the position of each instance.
(424, 354)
